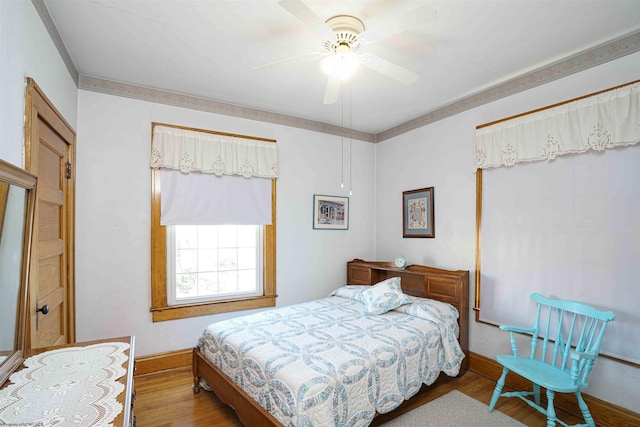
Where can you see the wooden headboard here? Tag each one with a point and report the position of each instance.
(451, 286)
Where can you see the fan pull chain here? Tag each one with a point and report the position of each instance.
(350, 129)
(342, 134)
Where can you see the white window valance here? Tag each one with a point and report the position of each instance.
(192, 151)
(599, 122)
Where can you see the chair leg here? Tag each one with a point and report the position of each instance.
(551, 412)
(498, 390)
(536, 393)
(588, 419)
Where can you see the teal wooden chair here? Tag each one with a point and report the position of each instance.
(570, 333)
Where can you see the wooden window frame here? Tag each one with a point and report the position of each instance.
(161, 311)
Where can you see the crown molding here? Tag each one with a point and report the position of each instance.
(601, 54)
(50, 26)
(589, 58)
(110, 87)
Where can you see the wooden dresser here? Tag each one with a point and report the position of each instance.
(126, 398)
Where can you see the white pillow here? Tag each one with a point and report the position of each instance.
(434, 311)
(384, 296)
(353, 292)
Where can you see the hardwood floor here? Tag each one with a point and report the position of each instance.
(166, 400)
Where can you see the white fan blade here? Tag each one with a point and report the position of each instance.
(302, 56)
(332, 91)
(414, 18)
(390, 69)
(308, 18)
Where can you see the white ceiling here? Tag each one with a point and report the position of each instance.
(209, 48)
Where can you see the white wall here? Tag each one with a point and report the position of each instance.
(441, 155)
(26, 50)
(114, 204)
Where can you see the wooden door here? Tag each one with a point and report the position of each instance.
(49, 154)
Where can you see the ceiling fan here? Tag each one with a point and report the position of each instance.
(344, 35)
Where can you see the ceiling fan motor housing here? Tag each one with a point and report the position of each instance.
(347, 29)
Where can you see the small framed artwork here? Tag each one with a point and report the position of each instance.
(330, 212)
(418, 214)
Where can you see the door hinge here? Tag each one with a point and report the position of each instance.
(68, 170)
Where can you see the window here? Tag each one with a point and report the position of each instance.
(161, 308)
(213, 262)
(199, 270)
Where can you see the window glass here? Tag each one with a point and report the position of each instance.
(212, 262)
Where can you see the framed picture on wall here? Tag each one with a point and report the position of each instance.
(330, 212)
(418, 214)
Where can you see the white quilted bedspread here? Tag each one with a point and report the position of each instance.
(327, 363)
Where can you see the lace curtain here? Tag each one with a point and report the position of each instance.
(192, 151)
(205, 177)
(599, 122)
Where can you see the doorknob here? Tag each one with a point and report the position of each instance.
(44, 310)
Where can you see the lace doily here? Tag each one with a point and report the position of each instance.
(73, 386)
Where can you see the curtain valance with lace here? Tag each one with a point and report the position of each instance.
(192, 151)
(204, 176)
(598, 122)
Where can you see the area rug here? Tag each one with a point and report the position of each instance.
(454, 409)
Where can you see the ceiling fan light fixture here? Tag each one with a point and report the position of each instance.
(341, 65)
(341, 36)
(342, 62)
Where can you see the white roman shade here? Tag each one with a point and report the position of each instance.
(197, 199)
(213, 179)
(598, 122)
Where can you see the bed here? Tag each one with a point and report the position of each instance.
(343, 359)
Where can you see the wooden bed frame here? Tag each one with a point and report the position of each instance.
(417, 280)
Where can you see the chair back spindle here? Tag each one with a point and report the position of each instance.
(558, 323)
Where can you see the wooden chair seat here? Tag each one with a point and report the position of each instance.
(543, 374)
(571, 334)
